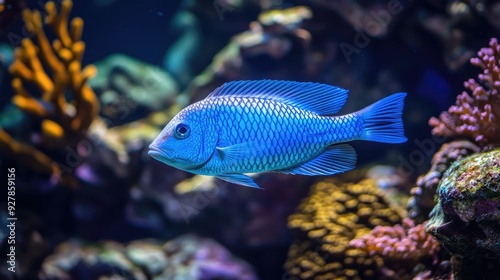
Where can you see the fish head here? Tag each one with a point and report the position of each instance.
(186, 142)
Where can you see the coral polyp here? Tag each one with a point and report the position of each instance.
(476, 114)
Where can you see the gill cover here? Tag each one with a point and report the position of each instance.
(187, 141)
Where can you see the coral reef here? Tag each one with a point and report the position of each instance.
(469, 197)
(452, 38)
(274, 37)
(400, 242)
(466, 218)
(326, 222)
(64, 64)
(28, 155)
(444, 21)
(129, 89)
(204, 27)
(52, 69)
(365, 18)
(342, 230)
(235, 215)
(30, 247)
(476, 117)
(402, 247)
(422, 194)
(186, 257)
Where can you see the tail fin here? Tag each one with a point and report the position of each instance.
(382, 120)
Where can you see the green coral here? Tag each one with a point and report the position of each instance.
(467, 217)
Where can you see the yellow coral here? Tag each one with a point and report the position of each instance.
(63, 61)
(290, 16)
(52, 68)
(52, 133)
(334, 214)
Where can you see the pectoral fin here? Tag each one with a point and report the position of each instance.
(234, 152)
(241, 150)
(335, 159)
(239, 179)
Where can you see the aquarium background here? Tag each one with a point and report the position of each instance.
(79, 108)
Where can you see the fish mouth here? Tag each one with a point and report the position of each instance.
(163, 155)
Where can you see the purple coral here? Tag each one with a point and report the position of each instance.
(476, 116)
(405, 249)
(400, 242)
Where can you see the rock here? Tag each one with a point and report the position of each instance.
(186, 257)
(466, 219)
(130, 89)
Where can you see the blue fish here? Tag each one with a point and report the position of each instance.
(274, 126)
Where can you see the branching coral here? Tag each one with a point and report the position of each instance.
(328, 220)
(476, 116)
(35, 159)
(63, 61)
(54, 70)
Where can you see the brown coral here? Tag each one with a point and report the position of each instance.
(326, 222)
(52, 69)
(476, 117)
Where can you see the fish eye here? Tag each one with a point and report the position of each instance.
(182, 131)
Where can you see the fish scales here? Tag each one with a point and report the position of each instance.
(288, 134)
(274, 126)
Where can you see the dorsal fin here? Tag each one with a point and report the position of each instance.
(319, 98)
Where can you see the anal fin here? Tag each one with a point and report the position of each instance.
(335, 159)
(239, 179)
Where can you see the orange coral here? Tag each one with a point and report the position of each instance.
(52, 68)
(63, 61)
(35, 159)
